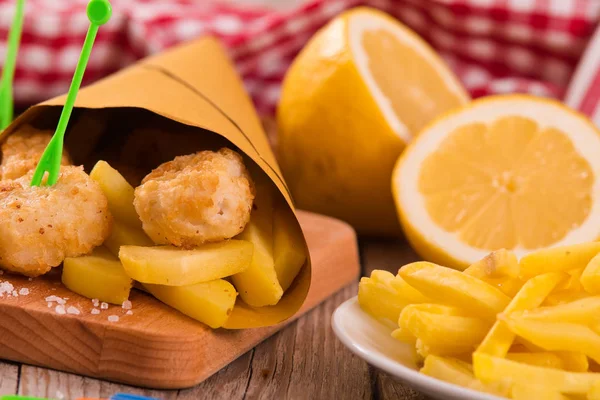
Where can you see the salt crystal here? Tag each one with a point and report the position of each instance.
(6, 288)
(95, 302)
(113, 318)
(59, 395)
(127, 305)
(24, 291)
(14, 293)
(50, 305)
(104, 306)
(129, 312)
(60, 310)
(30, 279)
(56, 299)
(95, 311)
(73, 310)
(53, 288)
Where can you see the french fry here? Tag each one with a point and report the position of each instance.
(594, 392)
(557, 336)
(568, 360)
(377, 297)
(582, 311)
(573, 361)
(532, 294)
(410, 294)
(441, 334)
(490, 369)
(404, 335)
(455, 288)
(458, 373)
(590, 278)
(500, 269)
(564, 296)
(555, 259)
(529, 392)
(543, 359)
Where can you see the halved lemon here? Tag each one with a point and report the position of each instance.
(355, 95)
(514, 171)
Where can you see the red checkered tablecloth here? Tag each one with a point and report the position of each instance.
(495, 46)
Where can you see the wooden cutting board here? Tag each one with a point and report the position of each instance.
(156, 346)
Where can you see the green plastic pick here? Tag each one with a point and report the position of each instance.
(8, 73)
(98, 12)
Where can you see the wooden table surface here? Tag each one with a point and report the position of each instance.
(303, 361)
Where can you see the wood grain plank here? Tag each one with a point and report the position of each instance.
(9, 378)
(42, 382)
(388, 255)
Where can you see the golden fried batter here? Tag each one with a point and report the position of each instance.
(22, 151)
(194, 199)
(41, 226)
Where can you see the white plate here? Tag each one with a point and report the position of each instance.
(370, 339)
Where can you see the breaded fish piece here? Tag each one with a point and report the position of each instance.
(41, 226)
(22, 151)
(195, 199)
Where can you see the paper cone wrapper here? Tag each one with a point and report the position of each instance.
(196, 85)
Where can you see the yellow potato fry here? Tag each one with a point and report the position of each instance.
(543, 359)
(564, 296)
(583, 311)
(289, 253)
(455, 288)
(594, 392)
(558, 336)
(207, 302)
(459, 373)
(258, 285)
(444, 334)
(99, 275)
(532, 294)
(573, 361)
(528, 392)
(590, 278)
(500, 269)
(377, 297)
(490, 369)
(118, 192)
(555, 259)
(409, 293)
(404, 335)
(172, 266)
(126, 235)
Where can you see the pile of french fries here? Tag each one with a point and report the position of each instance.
(527, 329)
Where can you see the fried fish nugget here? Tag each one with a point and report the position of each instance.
(41, 226)
(195, 199)
(22, 151)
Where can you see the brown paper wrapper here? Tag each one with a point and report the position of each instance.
(194, 86)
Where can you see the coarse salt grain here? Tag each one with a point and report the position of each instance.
(56, 299)
(95, 311)
(73, 310)
(129, 312)
(14, 293)
(127, 305)
(60, 309)
(50, 305)
(113, 318)
(59, 395)
(24, 291)
(30, 279)
(6, 288)
(104, 306)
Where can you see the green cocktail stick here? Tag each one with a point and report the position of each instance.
(98, 12)
(8, 72)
